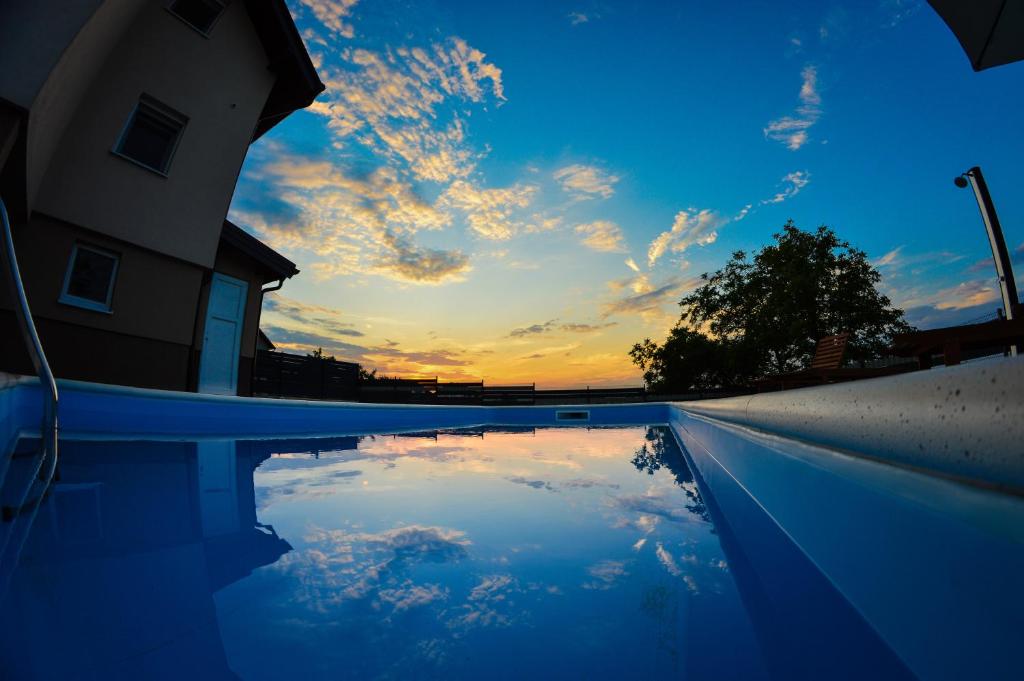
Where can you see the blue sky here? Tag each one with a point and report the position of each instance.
(521, 191)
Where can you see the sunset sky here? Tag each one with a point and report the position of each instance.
(520, 191)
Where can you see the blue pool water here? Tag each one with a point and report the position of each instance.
(485, 553)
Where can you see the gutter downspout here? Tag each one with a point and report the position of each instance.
(259, 314)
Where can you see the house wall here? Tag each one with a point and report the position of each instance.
(47, 72)
(161, 56)
(144, 341)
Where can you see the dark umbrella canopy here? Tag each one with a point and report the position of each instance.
(990, 31)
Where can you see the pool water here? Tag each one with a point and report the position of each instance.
(485, 553)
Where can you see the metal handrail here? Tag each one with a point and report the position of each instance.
(48, 386)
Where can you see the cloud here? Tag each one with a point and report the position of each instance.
(890, 258)
(646, 298)
(670, 507)
(410, 595)
(586, 182)
(539, 223)
(532, 329)
(419, 265)
(489, 211)
(340, 566)
(552, 325)
(966, 294)
(324, 318)
(535, 484)
(666, 559)
(631, 264)
(794, 182)
(602, 235)
(331, 13)
(690, 227)
(387, 357)
(405, 104)
(586, 328)
(488, 604)
(352, 225)
(605, 574)
(577, 18)
(793, 130)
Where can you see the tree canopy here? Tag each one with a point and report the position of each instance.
(764, 316)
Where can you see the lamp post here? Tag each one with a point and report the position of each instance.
(1004, 268)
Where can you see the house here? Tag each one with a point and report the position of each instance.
(123, 128)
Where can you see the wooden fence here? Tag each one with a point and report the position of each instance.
(279, 374)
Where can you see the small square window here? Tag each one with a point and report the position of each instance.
(151, 135)
(89, 281)
(199, 14)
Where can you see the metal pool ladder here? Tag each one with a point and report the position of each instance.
(19, 507)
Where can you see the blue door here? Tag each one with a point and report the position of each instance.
(222, 337)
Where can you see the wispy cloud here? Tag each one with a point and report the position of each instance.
(631, 264)
(420, 265)
(690, 227)
(401, 104)
(793, 130)
(332, 14)
(645, 298)
(533, 329)
(604, 574)
(350, 225)
(577, 18)
(553, 325)
(489, 211)
(792, 184)
(586, 182)
(602, 235)
(966, 294)
(324, 318)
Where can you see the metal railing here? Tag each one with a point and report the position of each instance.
(47, 463)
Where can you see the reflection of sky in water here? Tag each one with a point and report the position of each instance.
(573, 552)
(543, 553)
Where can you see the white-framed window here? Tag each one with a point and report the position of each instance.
(151, 135)
(199, 14)
(89, 280)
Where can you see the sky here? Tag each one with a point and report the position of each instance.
(519, 192)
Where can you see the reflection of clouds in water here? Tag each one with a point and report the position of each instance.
(655, 503)
(642, 523)
(342, 566)
(667, 560)
(410, 595)
(488, 605)
(605, 573)
(322, 479)
(536, 484)
(554, 486)
(525, 460)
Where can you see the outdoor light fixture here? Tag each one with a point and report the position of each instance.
(1004, 268)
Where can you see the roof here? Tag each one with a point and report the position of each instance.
(278, 266)
(260, 336)
(297, 83)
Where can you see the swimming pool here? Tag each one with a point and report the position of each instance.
(502, 543)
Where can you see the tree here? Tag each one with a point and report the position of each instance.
(319, 354)
(764, 316)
